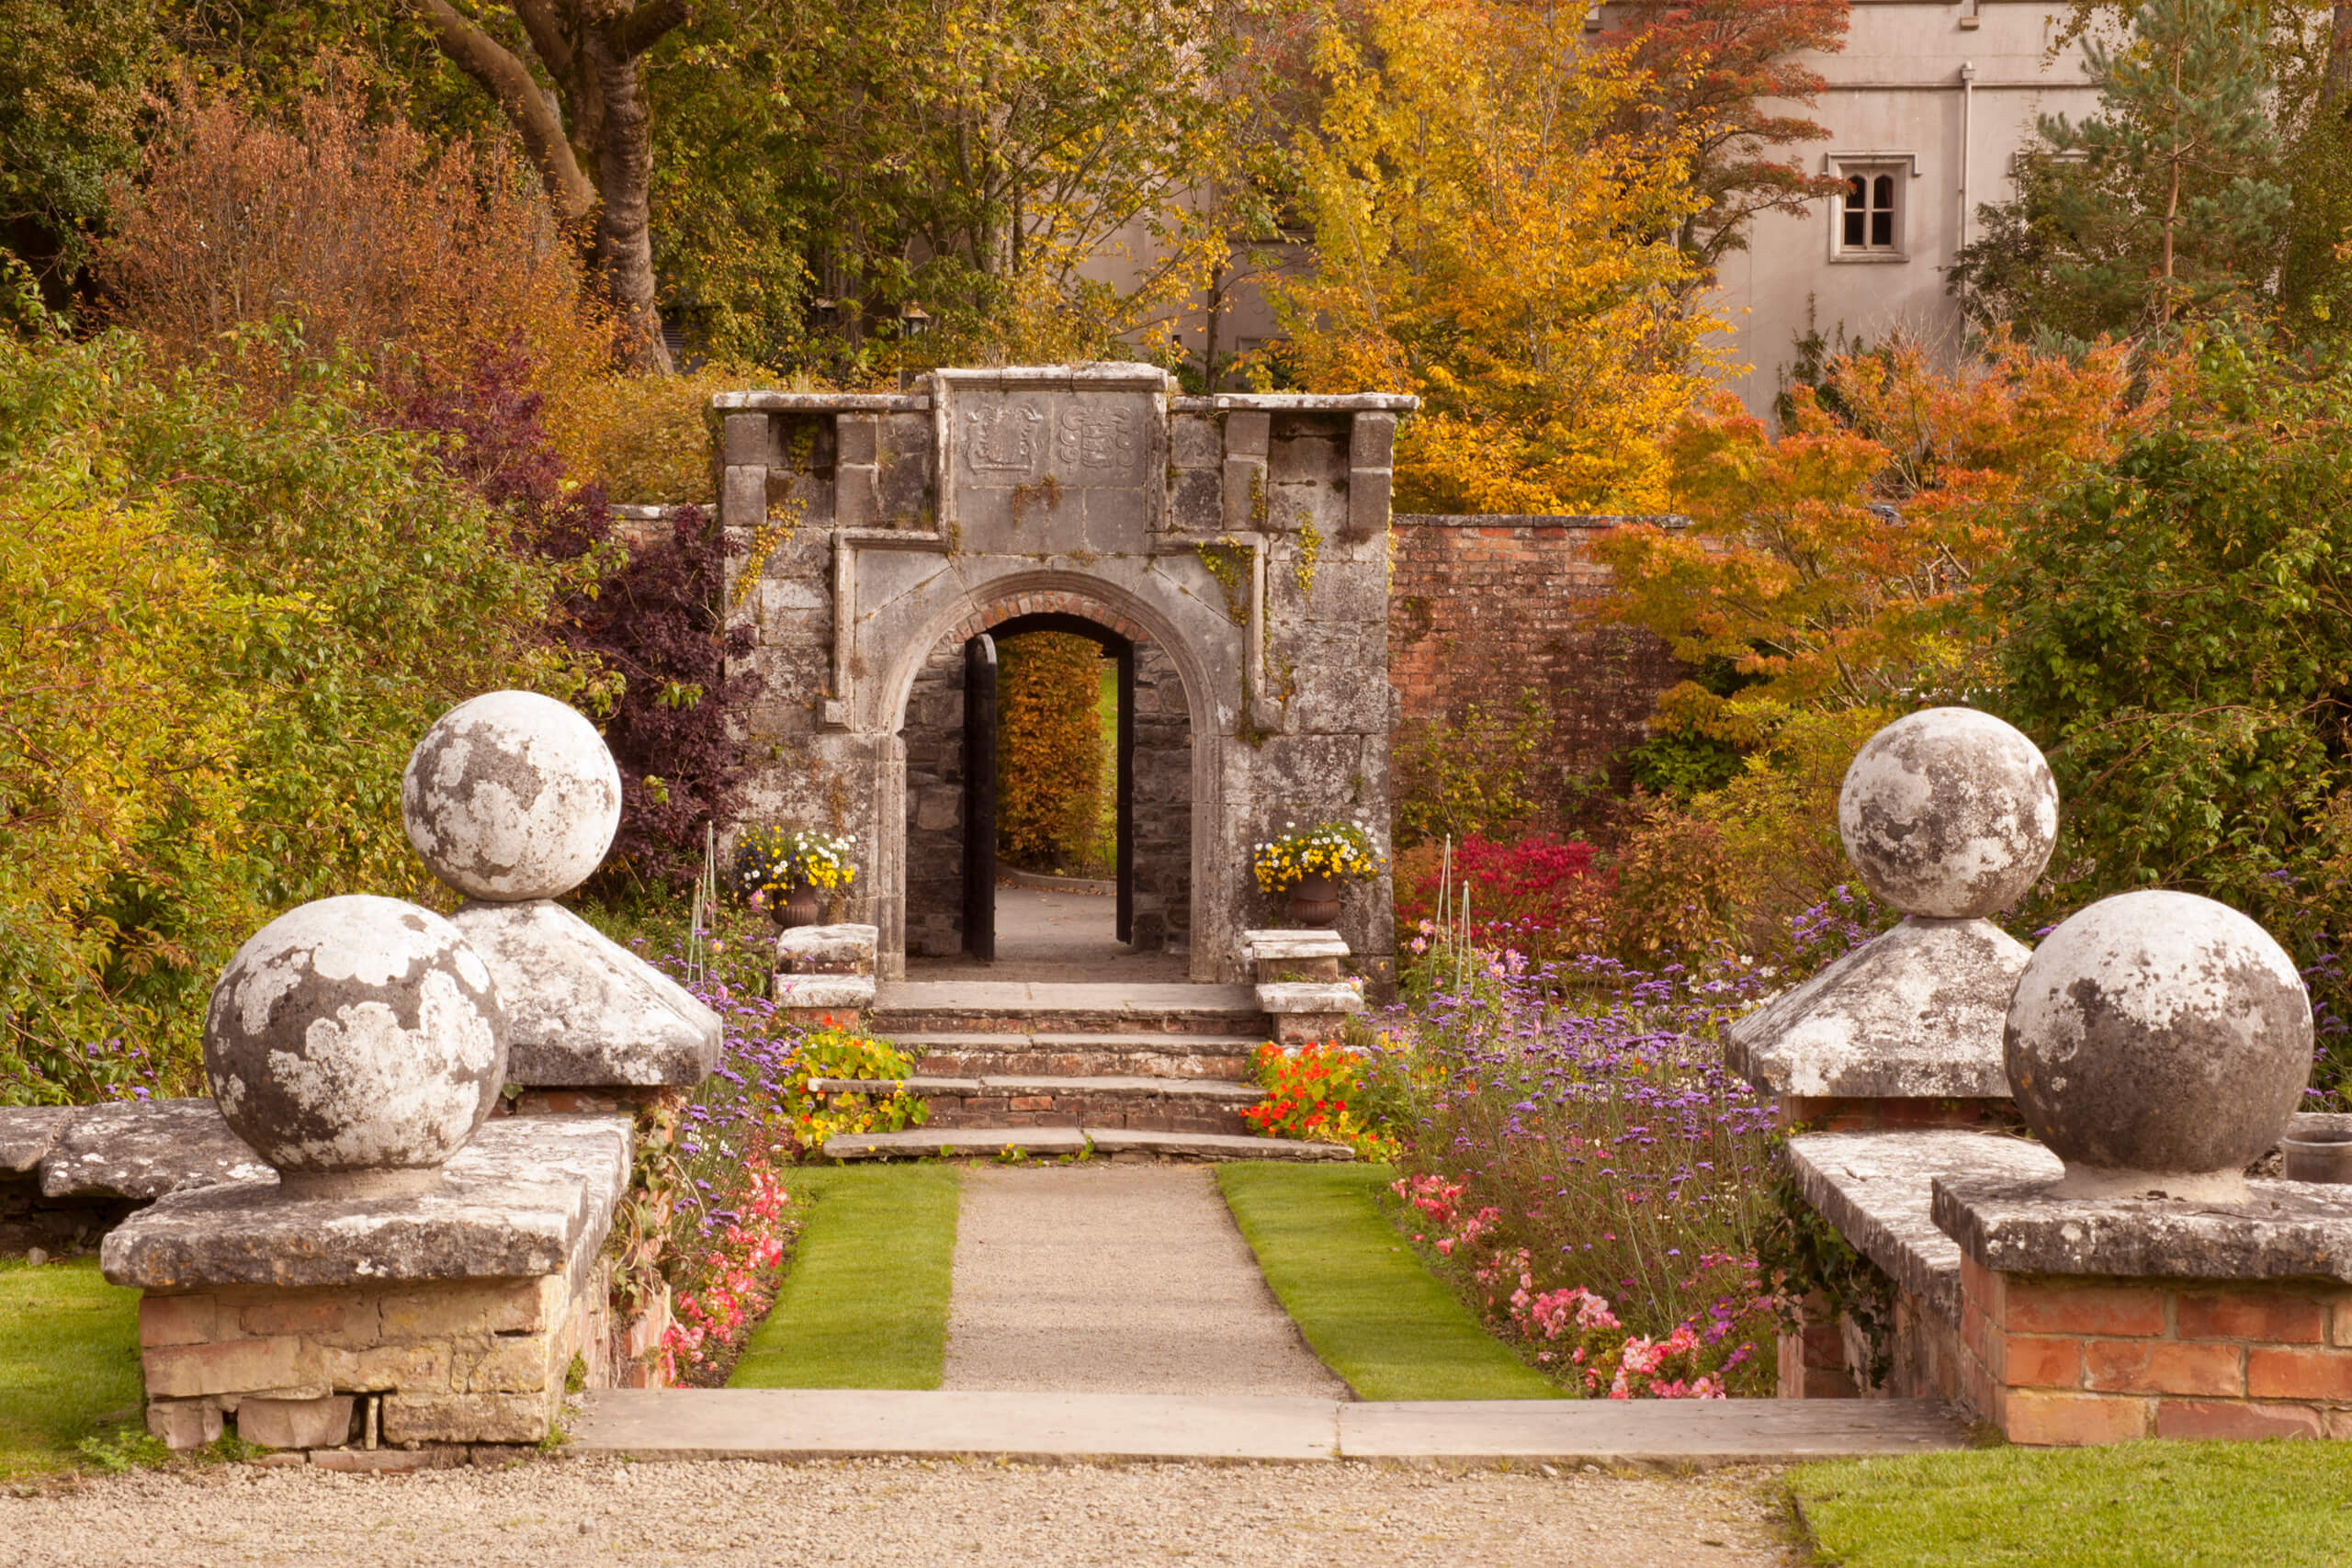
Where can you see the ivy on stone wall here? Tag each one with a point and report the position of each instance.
(1051, 741)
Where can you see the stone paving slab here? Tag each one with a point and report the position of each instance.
(28, 1132)
(145, 1149)
(1221, 1090)
(1646, 1431)
(1878, 1190)
(799, 1424)
(793, 1424)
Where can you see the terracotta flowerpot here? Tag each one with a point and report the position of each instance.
(802, 905)
(1314, 901)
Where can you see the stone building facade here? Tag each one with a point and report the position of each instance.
(1235, 547)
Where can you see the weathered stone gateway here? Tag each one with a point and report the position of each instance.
(1230, 552)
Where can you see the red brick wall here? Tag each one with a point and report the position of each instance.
(1481, 608)
(2062, 1361)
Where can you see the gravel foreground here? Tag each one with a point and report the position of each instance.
(901, 1513)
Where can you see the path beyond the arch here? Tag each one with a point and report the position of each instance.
(1049, 935)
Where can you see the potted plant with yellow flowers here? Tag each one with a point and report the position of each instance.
(786, 870)
(1309, 863)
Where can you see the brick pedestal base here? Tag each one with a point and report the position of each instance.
(2066, 1360)
(461, 1361)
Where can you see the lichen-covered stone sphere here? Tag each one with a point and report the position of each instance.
(1948, 813)
(511, 796)
(2158, 1032)
(355, 1035)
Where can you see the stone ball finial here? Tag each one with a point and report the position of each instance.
(356, 1043)
(2158, 1041)
(1948, 813)
(511, 796)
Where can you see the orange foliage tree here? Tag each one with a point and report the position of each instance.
(371, 235)
(1838, 565)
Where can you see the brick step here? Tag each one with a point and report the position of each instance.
(991, 1054)
(1134, 1103)
(1017, 1007)
(1055, 1143)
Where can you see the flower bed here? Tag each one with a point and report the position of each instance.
(1592, 1178)
(709, 1216)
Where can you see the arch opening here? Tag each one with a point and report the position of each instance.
(965, 908)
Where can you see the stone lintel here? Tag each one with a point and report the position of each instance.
(2282, 1230)
(28, 1132)
(1310, 996)
(1878, 1190)
(582, 1009)
(531, 1196)
(1298, 402)
(145, 1149)
(825, 991)
(1290, 944)
(845, 949)
(1916, 1013)
(821, 402)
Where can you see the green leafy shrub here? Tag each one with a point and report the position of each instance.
(227, 623)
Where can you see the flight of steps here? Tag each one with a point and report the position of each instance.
(1141, 1071)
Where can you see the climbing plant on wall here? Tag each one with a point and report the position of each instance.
(1050, 740)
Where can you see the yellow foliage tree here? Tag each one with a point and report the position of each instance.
(1050, 748)
(1485, 239)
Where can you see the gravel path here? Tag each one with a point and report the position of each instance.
(1116, 1279)
(894, 1513)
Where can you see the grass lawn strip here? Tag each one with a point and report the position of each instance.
(69, 1361)
(864, 1297)
(1358, 1292)
(2171, 1504)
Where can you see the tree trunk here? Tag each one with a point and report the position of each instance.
(2336, 81)
(597, 158)
(624, 222)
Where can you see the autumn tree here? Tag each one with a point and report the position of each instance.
(1840, 564)
(592, 144)
(1489, 237)
(1710, 67)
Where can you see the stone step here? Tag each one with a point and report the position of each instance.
(1053, 1143)
(1134, 1102)
(1023, 1007)
(993, 1055)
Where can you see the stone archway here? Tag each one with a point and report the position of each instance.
(1157, 786)
(1243, 538)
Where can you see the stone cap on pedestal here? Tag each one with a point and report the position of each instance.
(1292, 997)
(830, 991)
(2281, 1230)
(844, 949)
(1914, 1014)
(1257, 946)
(581, 1009)
(530, 1196)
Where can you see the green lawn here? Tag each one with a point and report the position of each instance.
(1369, 1308)
(69, 1360)
(864, 1300)
(2165, 1505)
